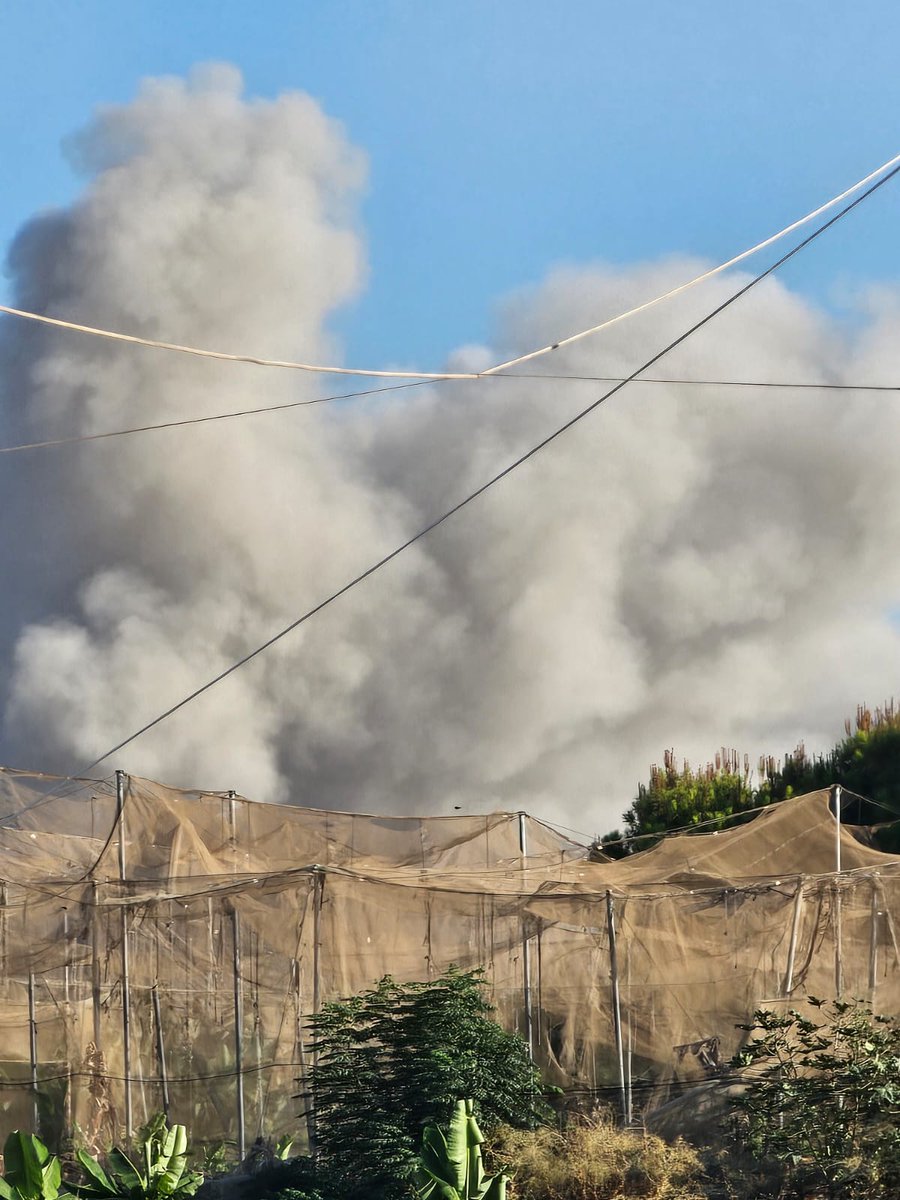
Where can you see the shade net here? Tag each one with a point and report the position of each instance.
(164, 949)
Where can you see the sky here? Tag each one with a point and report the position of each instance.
(389, 185)
(506, 137)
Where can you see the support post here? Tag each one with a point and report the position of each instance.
(238, 1031)
(120, 820)
(838, 942)
(792, 944)
(160, 1050)
(232, 828)
(4, 972)
(616, 1004)
(318, 890)
(67, 999)
(95, 965)
(526, 946)
(32, 1050)
(873, 941)
(837, 827)
(299, 1036)
(126, 983)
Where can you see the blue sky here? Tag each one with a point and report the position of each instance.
(654, 580)
(504, 137)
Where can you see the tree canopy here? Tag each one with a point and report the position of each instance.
(866, 762)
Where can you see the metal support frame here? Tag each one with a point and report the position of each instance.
(792, 944)
(526, 946)
(616, 1002)
(160, 1049)
(238, 1031)
(126, 983)
(32, 1051)
(873, 938)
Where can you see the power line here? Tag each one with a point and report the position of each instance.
(398, 387)
(561, 429)
(132, 339)
(226, 416)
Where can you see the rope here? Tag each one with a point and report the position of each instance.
(316, 368)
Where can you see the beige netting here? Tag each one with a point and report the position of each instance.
(199, 931)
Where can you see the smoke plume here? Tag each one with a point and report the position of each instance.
(689, 566)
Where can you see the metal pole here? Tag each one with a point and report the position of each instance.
(4, 901)
(160, 1049)
(526, 947)
(838, 943)
(95, 965)
(837, 827)
(318, 890)
(232, 828)
(873, 941)
(238, 1031)
(297, 970)
(120, 820)
(66, 1001)
(616, 1006)
(126, 987)
(32, 1048)
(792, 944)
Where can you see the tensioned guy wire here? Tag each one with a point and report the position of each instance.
(523, 458)
(316, 368)
(180, 423)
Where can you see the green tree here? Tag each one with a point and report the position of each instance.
(399, 1057)
(866, 762)
(677, 797)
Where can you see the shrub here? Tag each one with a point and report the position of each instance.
(822, 1099)
(595, 1160)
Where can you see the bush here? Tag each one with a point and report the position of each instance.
(596, 1161)
(397, 1058)
(822, 1099)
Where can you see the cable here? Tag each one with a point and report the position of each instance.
(397, 387)
(133, 339)
(243, 412)
(561, 429)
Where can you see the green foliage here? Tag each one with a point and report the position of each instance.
(822, 1099)
(32, 1172)
(680, 796)
(398, 1057)
(866, 762)
(451, 1166)
(157, 1170)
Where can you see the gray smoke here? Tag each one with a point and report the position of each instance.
(687, 567)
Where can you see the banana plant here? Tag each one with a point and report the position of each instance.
(451, 1168)
(32, 1172)
(160, 1170)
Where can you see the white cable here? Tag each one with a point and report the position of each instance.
(512, 362)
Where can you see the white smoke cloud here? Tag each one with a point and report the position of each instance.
(687, 567)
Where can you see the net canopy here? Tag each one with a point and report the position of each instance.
(163, 949)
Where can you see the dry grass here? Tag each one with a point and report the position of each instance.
(597, 1161)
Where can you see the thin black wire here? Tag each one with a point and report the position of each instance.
(520, 461)
(377, 391)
